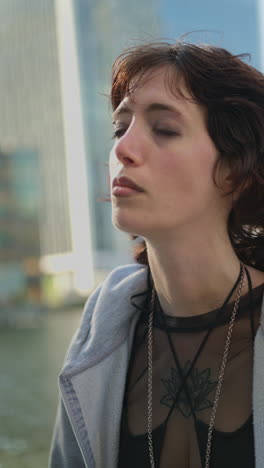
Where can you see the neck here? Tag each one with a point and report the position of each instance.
(194, 276)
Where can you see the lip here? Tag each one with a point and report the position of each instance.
(121, 191)
(125, 182)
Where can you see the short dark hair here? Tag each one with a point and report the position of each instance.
(232, 94)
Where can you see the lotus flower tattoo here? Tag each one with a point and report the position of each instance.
(199, 387)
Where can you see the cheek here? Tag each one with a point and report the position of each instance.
(189, 173)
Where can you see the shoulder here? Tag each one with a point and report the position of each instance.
(121, 280)
(115, 290)
(125, 277)
(107, 313)
(125, 274)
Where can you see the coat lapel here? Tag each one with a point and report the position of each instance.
(258, 392)
(94, 401)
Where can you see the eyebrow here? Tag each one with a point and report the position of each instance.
(153, 107)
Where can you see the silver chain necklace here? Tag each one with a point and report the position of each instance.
(220, 379)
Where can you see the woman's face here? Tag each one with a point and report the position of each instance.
(162, 144)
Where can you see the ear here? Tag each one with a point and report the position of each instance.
(223, 176)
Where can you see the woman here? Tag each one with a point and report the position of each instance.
(166, 368)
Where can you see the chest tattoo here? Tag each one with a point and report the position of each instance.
(199, 386)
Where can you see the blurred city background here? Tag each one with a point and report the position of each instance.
(57, 241)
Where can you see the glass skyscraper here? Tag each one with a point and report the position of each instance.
(31, 110)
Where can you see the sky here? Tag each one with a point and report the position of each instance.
(232, 24)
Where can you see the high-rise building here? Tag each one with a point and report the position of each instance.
(19, 205)
(34, 120)
(31, 109)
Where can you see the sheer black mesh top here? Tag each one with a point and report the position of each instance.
(181, 412)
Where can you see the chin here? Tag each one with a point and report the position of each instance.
(126, 226)
(123, 227)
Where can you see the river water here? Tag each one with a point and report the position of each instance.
(30, 360)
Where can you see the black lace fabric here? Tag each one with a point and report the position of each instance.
(182, 406)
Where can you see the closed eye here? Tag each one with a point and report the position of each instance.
(166, 133)
(163, 132)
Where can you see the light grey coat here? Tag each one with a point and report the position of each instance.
(92, 381)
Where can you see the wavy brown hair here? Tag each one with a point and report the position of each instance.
(232, 94)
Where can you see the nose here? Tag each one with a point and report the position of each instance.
(129, 147)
